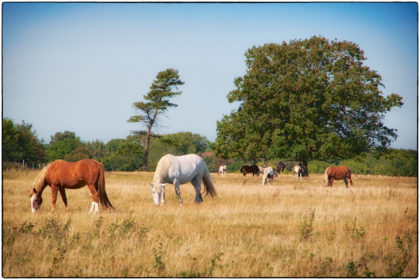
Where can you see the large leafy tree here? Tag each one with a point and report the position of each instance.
(66, 145)
(124, 155)
(307, 99)
(156, 102)
(21, 144)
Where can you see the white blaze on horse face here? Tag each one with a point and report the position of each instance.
(32, 203)
(156, 196)
(158, 193)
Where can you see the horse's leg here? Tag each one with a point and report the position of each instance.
(64, 197)
(95, 202)
(345, 181)
(196, 182)
(177, 191)
(54, 190)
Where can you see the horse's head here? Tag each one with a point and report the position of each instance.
(36, 200)
(158, 192)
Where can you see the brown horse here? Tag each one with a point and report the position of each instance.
(61, 174)
(250, 169)
(337, 172)
(280, 166)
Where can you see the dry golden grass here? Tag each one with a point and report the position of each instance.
(288, 230)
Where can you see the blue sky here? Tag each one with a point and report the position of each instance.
(80, 66)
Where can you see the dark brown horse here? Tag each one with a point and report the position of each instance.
(250, 169)
(280, 166)
(338, 173)
(61, 174)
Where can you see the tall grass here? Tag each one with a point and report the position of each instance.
(292, 229)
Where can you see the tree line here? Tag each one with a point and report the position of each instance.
(20, 143)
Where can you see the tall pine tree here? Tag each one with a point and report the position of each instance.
(156, 102)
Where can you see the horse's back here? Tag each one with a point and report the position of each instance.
(189, 164)
(339, 172)
(67, 173)
(184, 167)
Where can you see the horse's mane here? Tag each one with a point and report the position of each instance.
(162, 167)
(39, 180)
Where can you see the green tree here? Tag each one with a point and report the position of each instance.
(156, 102)
(309, 99)
(124, 155)
(96, 149)
(183, 143)
(62, 144)
(113, 145)
(20, 143)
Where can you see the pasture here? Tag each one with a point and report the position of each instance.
(292, 229)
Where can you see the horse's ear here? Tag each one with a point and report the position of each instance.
(162, 185)
(34, 190)
(151, 185)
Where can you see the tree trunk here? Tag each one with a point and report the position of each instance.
(265, 163)
(146, 151)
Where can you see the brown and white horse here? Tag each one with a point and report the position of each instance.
(61, 175)
(299, 170)
(222, 170)
(338, 173)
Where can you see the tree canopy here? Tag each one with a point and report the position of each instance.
(66, 145)
(20, 143)
(306, 99)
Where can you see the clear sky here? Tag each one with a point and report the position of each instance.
(80, 66)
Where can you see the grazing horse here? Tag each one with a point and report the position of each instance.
(299, 171)
(268, 173)
(250, 169)
(61, 175)
(280, 166)
(178, 170)
(338, 173)
(222, 170)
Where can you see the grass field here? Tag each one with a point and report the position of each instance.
(292, 229)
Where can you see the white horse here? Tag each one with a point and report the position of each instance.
(268, 172)
(222, 170)
(178, 170)
(299, 172)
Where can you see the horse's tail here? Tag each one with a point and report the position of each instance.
(103, 197)
(326, 176)
(208, 184)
